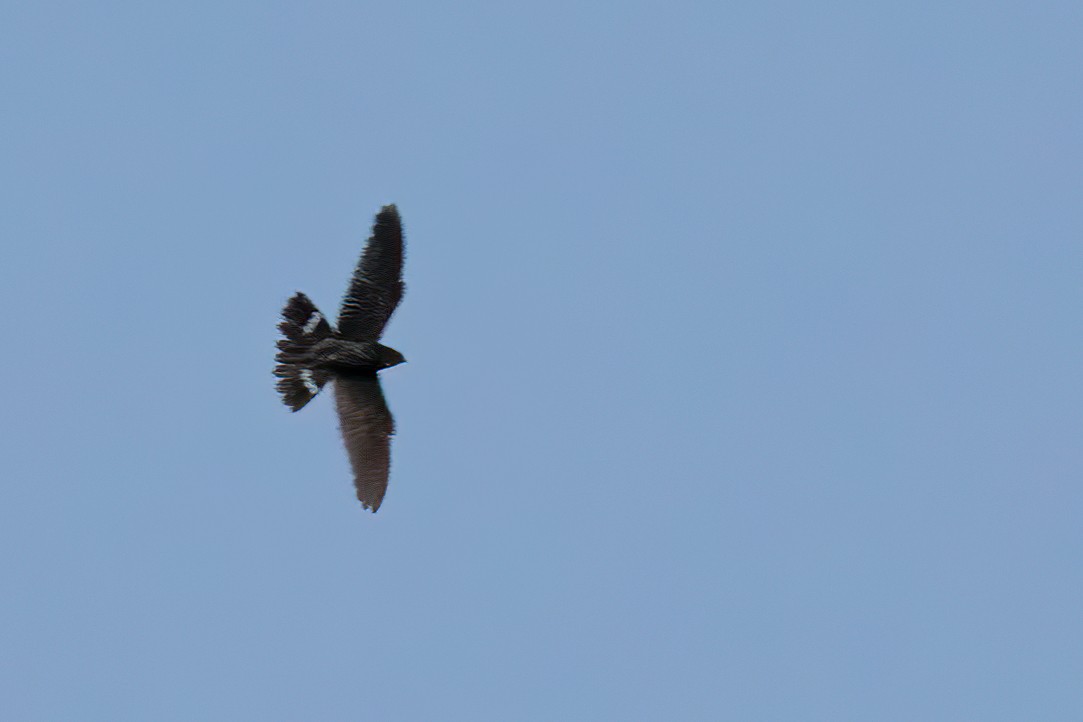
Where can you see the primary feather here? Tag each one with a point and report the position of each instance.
(367, 427)
(376, 287)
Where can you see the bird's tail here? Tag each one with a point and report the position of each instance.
(303, 326)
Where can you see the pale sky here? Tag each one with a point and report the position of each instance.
(745, 361)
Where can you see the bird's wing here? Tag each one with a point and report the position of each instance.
(376, 287)
(367, 427)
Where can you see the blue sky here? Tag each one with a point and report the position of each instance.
(744, 376)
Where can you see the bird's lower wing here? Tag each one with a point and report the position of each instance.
(367, 427)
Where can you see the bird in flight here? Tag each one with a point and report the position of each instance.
(313, 352)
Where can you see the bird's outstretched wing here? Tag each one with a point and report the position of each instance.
(376, 287)
(367, 427)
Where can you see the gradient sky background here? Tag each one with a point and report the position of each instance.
(746, 362)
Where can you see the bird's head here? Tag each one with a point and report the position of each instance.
(390, 357)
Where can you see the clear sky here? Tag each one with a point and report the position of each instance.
(745, 380)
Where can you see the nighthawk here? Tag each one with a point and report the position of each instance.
(313, 353)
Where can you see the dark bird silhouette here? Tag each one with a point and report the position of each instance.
(313, 353)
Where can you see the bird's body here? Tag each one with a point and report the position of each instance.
(341, 355)
(313, 353)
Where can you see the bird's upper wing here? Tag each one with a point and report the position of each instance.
(376, 287)
(367, 427)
